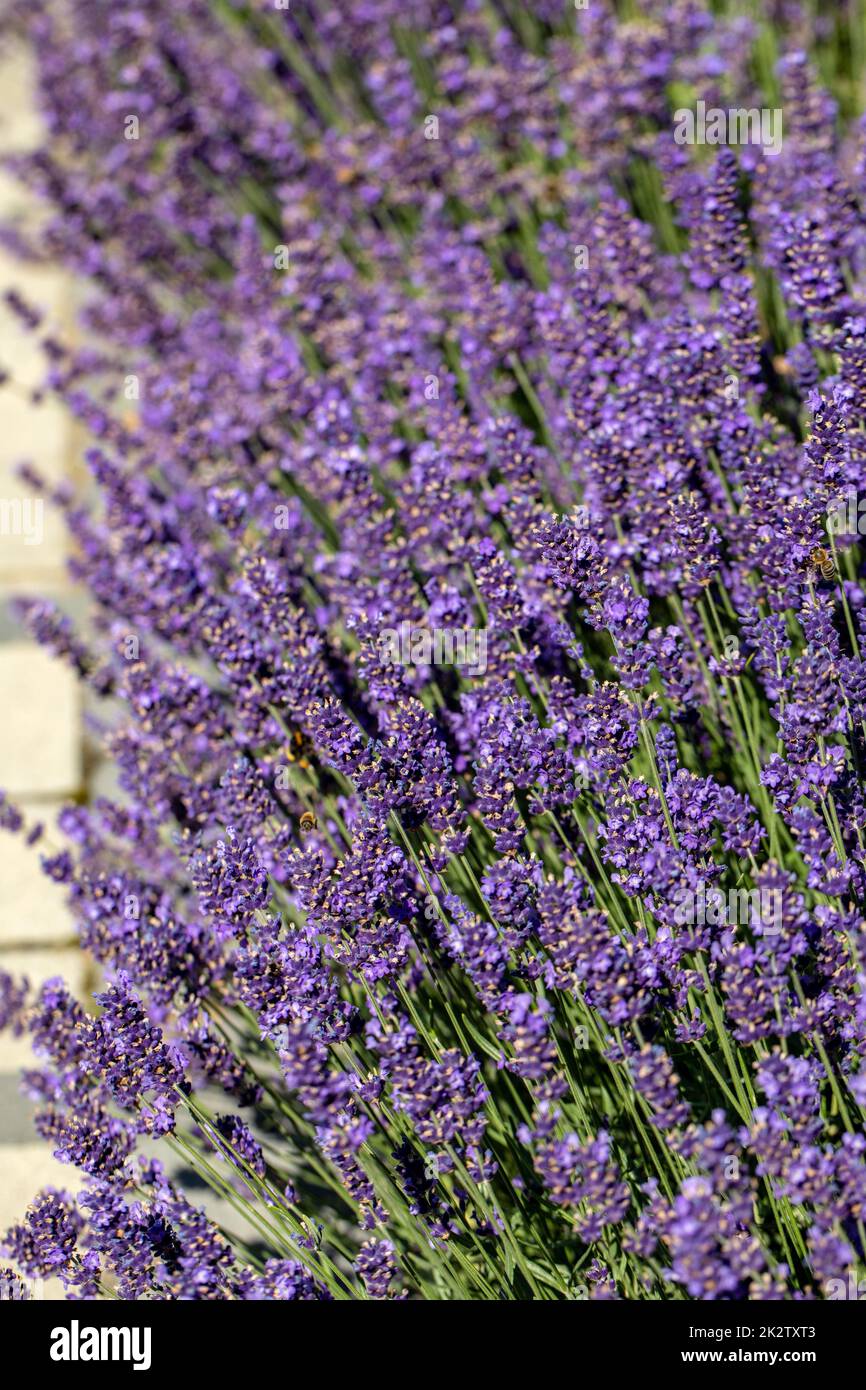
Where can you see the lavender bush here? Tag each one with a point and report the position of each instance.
(476, 400)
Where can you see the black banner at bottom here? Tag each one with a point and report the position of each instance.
(259, 1339)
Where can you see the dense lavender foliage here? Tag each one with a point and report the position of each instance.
(476, 630)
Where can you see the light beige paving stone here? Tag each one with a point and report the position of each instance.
(32, 540)
(32, 433)
(40, 752)
(32, 906)
(49, 582)
(20, 124)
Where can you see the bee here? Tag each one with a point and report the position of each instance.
(822, 561)
(299, 749)
(308, 822)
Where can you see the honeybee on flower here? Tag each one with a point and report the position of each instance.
(822, 561)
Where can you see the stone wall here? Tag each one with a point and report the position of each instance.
(41, 742)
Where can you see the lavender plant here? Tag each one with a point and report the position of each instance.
(476, 631)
